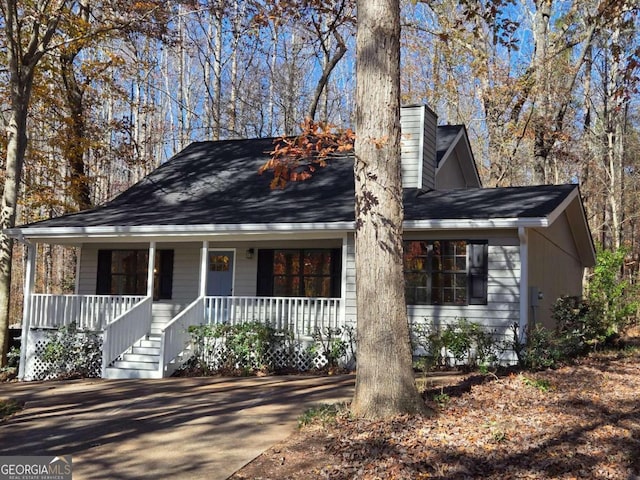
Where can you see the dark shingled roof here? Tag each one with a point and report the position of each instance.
(218, 183)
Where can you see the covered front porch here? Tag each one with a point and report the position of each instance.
(146, 335)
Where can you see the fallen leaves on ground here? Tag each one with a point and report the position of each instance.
(578, 422)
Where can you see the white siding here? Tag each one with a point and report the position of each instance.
(503, 305)
(503, 294)
(411, 122)
(418, 125)
(350, 294)
(450, 174)
(554, 267)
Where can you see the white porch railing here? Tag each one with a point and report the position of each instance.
(125, 330)
(176, 337)
(89, 312)
(301, 315)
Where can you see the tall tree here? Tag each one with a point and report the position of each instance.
(385, 384)
(29, 28)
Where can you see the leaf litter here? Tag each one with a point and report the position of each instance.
(581, 421)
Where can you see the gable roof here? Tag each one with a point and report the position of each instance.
(215, 187)
(445, 138)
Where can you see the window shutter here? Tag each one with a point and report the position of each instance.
(336, 272)
(264, 286)
(165, 289)
(103, 280)
(478, 272)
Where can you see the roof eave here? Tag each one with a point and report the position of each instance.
(141, 231)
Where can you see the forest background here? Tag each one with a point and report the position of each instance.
(548, 91)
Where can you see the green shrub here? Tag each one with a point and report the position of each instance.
(333, 344)
(612, 293)
(541, 349)
(469, 343)
(428, 338)
(70, 353)
(243, 347)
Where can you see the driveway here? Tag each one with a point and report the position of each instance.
(175, 428)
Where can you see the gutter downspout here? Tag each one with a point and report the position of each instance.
(29, 280)
(524, 283)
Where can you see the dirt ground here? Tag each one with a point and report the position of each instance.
(581, 421)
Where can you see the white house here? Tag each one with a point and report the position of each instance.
(204, 239)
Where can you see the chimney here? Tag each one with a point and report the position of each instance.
(418, 124)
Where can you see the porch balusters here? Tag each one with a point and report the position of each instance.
(89, 312)
(300, 314)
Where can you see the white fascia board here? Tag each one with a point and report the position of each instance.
(175, 230)
(188, 231)
(553, 216)
(498, 223)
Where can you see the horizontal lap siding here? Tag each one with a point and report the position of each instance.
(88, 270)
(350, 294)
(411, 152)
(503, 293)
(503, 307)
(186, 268)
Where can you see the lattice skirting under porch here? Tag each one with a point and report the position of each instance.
(35, 367)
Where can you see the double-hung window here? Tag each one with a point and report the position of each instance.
(445, 272)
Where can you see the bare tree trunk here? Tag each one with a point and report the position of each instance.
(385, 384)
(331, 63)
(75, 148)
(273, 64)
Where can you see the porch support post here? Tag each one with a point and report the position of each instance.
(76, 289)
(151, 268)
(29, 280)
(343, 281)
(204, 256)
(524, 282)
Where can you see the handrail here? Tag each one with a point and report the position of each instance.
(125, 330)
(175, 335)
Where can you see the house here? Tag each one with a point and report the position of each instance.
(204, 239)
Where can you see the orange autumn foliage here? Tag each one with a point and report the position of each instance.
(296, 159)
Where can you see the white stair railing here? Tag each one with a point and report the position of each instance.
(176, 336)
(302, 315)
(89, 312)
(125, 330)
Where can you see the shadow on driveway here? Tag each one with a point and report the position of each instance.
(171, 428)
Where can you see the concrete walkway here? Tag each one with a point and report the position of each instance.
(178, 428)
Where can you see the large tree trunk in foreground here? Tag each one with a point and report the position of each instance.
(385, 384)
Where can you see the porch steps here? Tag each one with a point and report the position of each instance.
(143, 358)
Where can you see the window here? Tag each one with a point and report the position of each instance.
(299, 273)
(124, 272)
(445, 272)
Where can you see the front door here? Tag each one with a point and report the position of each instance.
(220, 275)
